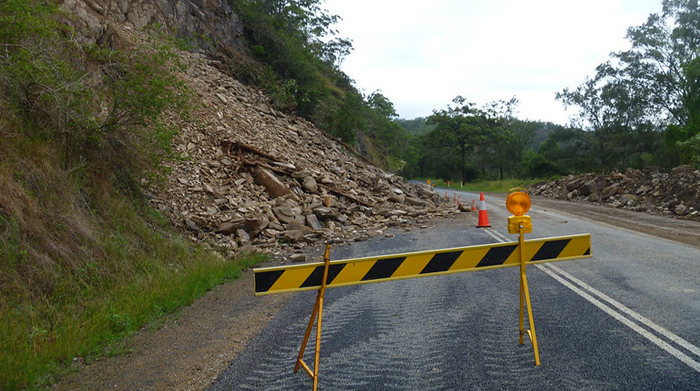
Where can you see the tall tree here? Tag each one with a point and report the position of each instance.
(646, 89)
(461, 127)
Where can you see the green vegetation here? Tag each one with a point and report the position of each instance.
(640, 109)
(642, 106)
(492, 186)
(297, 59)
(84, 260)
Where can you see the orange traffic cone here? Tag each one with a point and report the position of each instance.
(473, 205)
(483, 214)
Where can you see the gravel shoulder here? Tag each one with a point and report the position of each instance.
(678, 230)
(190, 348)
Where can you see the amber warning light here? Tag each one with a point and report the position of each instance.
(518, 203)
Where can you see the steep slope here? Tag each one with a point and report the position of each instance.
(248, 174)
(251, 175)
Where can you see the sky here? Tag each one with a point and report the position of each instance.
(422, 54)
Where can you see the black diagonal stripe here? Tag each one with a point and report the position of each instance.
(383, 268)
(316, 276)
(550, 250)
(265, 280)
(588, 252)
(497, 256)
(441, 262)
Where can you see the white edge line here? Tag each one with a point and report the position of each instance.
(646, 334)
(671, 336)
(496, 235)
(654, 339)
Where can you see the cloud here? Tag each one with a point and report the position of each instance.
(422, 54)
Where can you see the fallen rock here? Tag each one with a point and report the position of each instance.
(296, 258)
(313, 222)
(650, 190)
(230, 227)
(272, 184)
(309, 184)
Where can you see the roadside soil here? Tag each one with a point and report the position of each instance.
(679, 230)
(190, 348)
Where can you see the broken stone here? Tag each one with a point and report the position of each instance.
(628, 200)
(289, 166)
(313, 222)
(681, 210)
(293, 235)
(296, 258)
(284, 214)
(229, 227)
(271, 183)
(309, 184)
(415, 201)
(325, 213)
(255, 224)
(242, 235)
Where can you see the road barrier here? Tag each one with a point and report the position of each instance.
(329, 274)
(305, 277)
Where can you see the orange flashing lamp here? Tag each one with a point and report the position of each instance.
(518, 203)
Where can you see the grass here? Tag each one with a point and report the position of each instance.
(84, 261)
(488, 186)
(142, 274)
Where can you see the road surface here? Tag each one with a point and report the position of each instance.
(626, 319)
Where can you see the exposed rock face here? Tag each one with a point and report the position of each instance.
(675, 194)
(194, 19)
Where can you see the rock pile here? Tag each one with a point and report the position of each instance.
(251, 176)
(651, 190)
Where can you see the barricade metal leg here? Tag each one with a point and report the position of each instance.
(318, 309)
(525, 296)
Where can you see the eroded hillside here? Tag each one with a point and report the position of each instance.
(248, 175)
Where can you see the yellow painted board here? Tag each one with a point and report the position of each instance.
(346, 272)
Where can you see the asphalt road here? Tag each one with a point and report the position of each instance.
(626, 319)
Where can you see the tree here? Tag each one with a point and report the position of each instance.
(646, 90)
(461, 128)
(504, 144)
(291, 38)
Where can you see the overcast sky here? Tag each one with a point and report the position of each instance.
(421, 54)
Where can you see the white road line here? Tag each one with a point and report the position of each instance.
(639, 330)
(551, 270)
(496, 235)
(673, 337)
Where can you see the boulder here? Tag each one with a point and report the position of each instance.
(273, 186)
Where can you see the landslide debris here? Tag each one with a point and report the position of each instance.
(250, 176)
(675, 194)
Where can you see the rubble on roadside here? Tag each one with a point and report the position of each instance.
(650, 190)
(250, 177)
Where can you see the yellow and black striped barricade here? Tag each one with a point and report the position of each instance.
(304, 277)
(328, 274)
